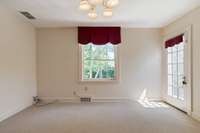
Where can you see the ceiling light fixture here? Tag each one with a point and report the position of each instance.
(91, 5)
(92, 13)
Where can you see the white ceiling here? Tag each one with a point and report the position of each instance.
(130, 13)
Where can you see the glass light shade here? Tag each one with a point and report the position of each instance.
(84, 5)
(107, 12)
(112, 3)
(95, 2)
(92, 14)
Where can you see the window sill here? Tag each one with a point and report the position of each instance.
(100, 81)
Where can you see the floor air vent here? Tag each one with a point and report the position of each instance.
(27, 15)
(85, 99)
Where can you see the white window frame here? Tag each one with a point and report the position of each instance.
(117, 72)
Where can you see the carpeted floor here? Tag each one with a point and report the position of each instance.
(122, 117)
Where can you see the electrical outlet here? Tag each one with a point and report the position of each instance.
(74, 93)
(36, 99)
(86, 88)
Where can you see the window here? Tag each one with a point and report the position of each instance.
(176, 71)
(98, 62)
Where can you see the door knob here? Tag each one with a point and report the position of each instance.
(184, 81)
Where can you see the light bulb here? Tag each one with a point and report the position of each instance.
(112, 3)
(84, 5)
(107, 12)
(92, 14)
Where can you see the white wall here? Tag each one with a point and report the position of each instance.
(193, 19)
(17, 63)
(57, 65)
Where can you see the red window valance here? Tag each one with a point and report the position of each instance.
(99, 35)
(174, 41)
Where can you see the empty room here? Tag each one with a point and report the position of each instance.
(99, 66)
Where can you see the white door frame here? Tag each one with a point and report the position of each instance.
(188, 91)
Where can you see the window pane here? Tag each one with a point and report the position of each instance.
(175, 80)
(174, 49)
(174, 69)
(87, 72)
(99, 68)
(170, 69)
(170, 90)
(180, 46)
(169, 49)
(87, 51)
(175, 85)
(110, 71)
(170, 80)
(180, 69)
(174, 57)
(169, 58)
(180, 57)
(98, 62)
(110, 54)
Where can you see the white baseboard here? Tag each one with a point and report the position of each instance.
(59, 99)
(76, 99)
(6, 115)
(196, 116)
(108, 99)
(94, 99)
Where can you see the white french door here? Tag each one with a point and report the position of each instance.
(178, 75)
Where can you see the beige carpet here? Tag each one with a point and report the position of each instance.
(124, 117)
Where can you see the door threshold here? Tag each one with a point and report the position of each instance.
(183, 111)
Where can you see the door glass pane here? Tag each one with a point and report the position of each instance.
(175, 85)
(169, 90)
(174, 57)
(181, 47)
(180, 69)
(170, 80)
(169, 49)
(169, 58)
(169, 69)
(180, 56)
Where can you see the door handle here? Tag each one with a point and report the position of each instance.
(184, 81)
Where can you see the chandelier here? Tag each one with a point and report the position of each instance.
(91, 5)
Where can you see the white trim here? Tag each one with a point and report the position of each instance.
(176, 32)
(60, 99)
(195, 116)
(7, 115)
(107, 99)
(94, 99)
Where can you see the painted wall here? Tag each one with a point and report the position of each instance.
(17, 63)
(57, 65)
(193, 19)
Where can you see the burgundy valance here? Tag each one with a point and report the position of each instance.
(99, 35)
(174, 41)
